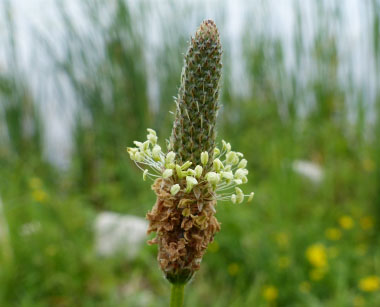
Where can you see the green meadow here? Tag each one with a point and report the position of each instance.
(308, 126)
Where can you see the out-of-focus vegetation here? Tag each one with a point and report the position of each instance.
(299, 243)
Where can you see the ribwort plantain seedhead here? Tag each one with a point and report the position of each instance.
(194, 174)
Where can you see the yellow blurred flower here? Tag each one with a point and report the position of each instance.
(39, 195)
(213, 247)
(270, 293)
(333, 234)
(346, 222)
(367, 222)
(317, 256)
(282, 239)
(35, 183)
(283, 262)
(369, 283)
(317, 274)
(305, 286)
(233, 269)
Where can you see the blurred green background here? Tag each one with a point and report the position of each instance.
(301, 99)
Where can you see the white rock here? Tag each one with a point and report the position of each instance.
(30, 228)
(117, 233)
(309, 170)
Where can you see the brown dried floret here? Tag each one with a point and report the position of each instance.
(182, 238)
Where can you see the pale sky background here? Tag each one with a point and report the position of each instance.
(38, 18)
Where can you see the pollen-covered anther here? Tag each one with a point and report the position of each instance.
(217, 165)
(138, 144)
(227, 175)
(198, 171)
(186, 165)
(216, 152)
(170, 157)
(151, 131)
(232, 158)
(190, 172)
(145, 174)
(250, 197)
(156, 153)
(233, 198)
(239, 195)
(204, 157)
(213, 178)
(132, 152)
(226, 146)
(175, 189)
(169, 160)
(167, 173)
(180, 173)
(190, 182)
(242, 163)
(152, 139)
(139, 157)
(145, 146)
(241, 173)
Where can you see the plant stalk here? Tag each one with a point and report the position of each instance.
(177, 295)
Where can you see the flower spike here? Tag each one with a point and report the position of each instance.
(193, 173)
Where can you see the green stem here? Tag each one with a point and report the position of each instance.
(177, 294)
